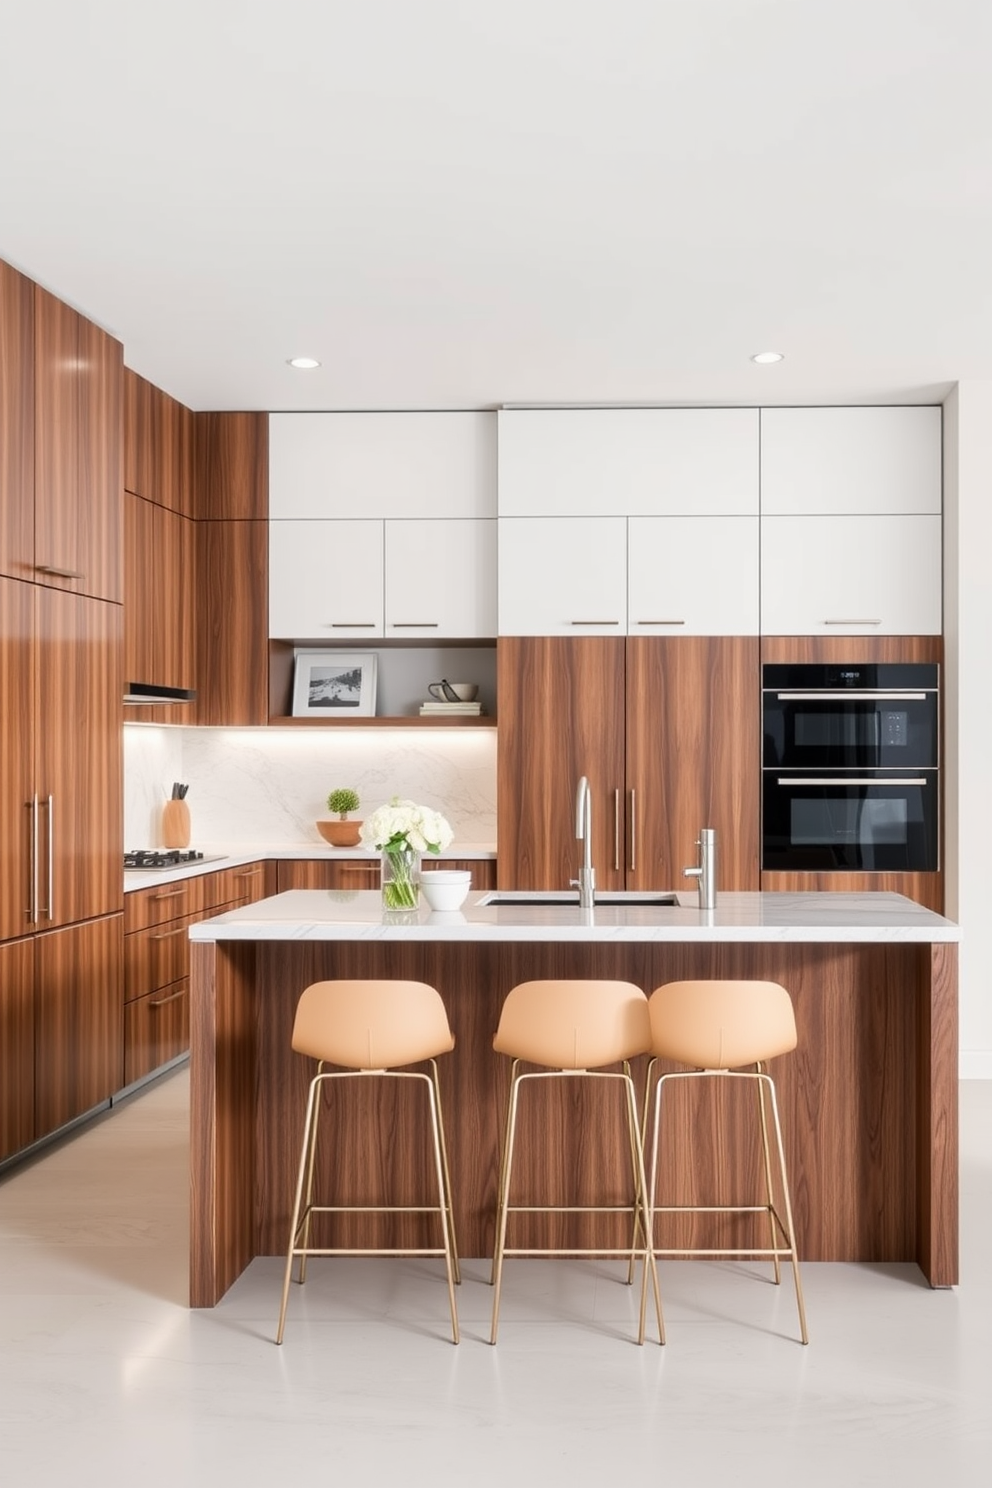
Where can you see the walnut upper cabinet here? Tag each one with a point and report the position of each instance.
(628, 521)
(861, 489)
(16, 423)
(158, 446)
(78, 486)
(382, 525)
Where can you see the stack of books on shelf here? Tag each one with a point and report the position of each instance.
(432, 709)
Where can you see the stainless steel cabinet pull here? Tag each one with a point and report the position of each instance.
(33, 911)
(594, 622)
(352, 624)
(161, 1001)
(168, 934)
(661, 622)
(816, 780)
(852, 622)
(50, 909)
(250, 873)
(172, 894)
(59, 573)
(360, 868)
(633, 830)
(851, 697)
(415, 624)
(616, 831)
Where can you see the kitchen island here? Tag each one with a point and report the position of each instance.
(868, 1099)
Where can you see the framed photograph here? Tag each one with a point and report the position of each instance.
(334, 684)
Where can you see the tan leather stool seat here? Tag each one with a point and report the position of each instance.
(373, 1029)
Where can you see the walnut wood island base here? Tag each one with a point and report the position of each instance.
(868, 1099)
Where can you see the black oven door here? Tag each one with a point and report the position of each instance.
(879, 822)
(852, 731)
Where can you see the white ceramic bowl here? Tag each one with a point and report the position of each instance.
(445, 888)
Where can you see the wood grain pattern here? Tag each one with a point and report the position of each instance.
(222, 1118)
(79, 764)
(827, 649)
(156, 1029)
(100, 490)
(16, 423)
(232, 466)
(364, 873)
(925, 888)
(56, 439)
(136, 401)
(144, 907)
(561, 708)
(79, 1031)
(155, 957)
(232, 582)
(159, 600)
(17, 1128)
(693, 756)
(17, 770)
(937, 1129)
(850, 1097)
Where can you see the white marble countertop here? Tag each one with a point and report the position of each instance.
(329, 914)
(219, 857)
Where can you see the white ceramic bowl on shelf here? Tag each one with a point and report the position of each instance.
(445, 888)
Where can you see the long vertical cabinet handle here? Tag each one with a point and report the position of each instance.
(33, 911)
(51, 859)
(616, 831)
(633, 830)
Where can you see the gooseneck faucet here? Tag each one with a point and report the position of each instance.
(586, 881)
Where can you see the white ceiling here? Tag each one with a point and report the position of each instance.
(460, 204)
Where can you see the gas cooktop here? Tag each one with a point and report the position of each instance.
(153, 857)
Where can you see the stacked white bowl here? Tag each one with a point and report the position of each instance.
(445, 888)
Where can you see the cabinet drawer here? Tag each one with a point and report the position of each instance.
(156, 1029)
(155, 957)
(234, 886)
(169, 901)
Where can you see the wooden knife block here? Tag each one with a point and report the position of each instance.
(175, 824)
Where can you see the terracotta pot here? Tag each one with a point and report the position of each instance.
(340, 833)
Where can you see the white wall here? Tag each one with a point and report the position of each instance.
(968, 706)
(266, 787)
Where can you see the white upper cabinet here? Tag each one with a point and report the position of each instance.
(561, 577)
(342, 465)
(875, 575)
(692, 576)
(325, 580)
(628, 461)
(850, 461)
(440, 579)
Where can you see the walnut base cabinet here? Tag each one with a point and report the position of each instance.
(17, 1126)
(364, 873)
(78, 1059)
(667, 732)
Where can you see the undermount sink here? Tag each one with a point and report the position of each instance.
(541, 898)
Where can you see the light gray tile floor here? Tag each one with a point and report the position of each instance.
(106, 1377)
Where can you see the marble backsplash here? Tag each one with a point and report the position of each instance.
(267, 787)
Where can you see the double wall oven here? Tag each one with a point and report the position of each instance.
(850, 768)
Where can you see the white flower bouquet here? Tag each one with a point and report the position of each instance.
(402, 830)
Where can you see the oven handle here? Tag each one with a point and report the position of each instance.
(856, 697)
(797, 780)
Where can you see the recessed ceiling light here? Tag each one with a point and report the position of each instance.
(763, 357)
(304, 363)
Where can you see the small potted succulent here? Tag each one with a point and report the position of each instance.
(341, 833)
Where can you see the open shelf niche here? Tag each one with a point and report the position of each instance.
(404, 670)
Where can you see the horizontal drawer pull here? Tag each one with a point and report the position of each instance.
(414, 624)
(250, 873)
(161, 1001)
(815, 780)
(172, 894)
(661, 622)
(168, 934)
(852, 622)
(594, 622)
(352, 624)
(360, 868)
(59, 573)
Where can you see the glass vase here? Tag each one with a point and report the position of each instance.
(400, 878)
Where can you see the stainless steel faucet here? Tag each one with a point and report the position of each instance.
(586, 881)
(705, 874)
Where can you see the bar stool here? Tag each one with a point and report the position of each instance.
(370, 1028)
(574, 1028)
(717, 1027)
